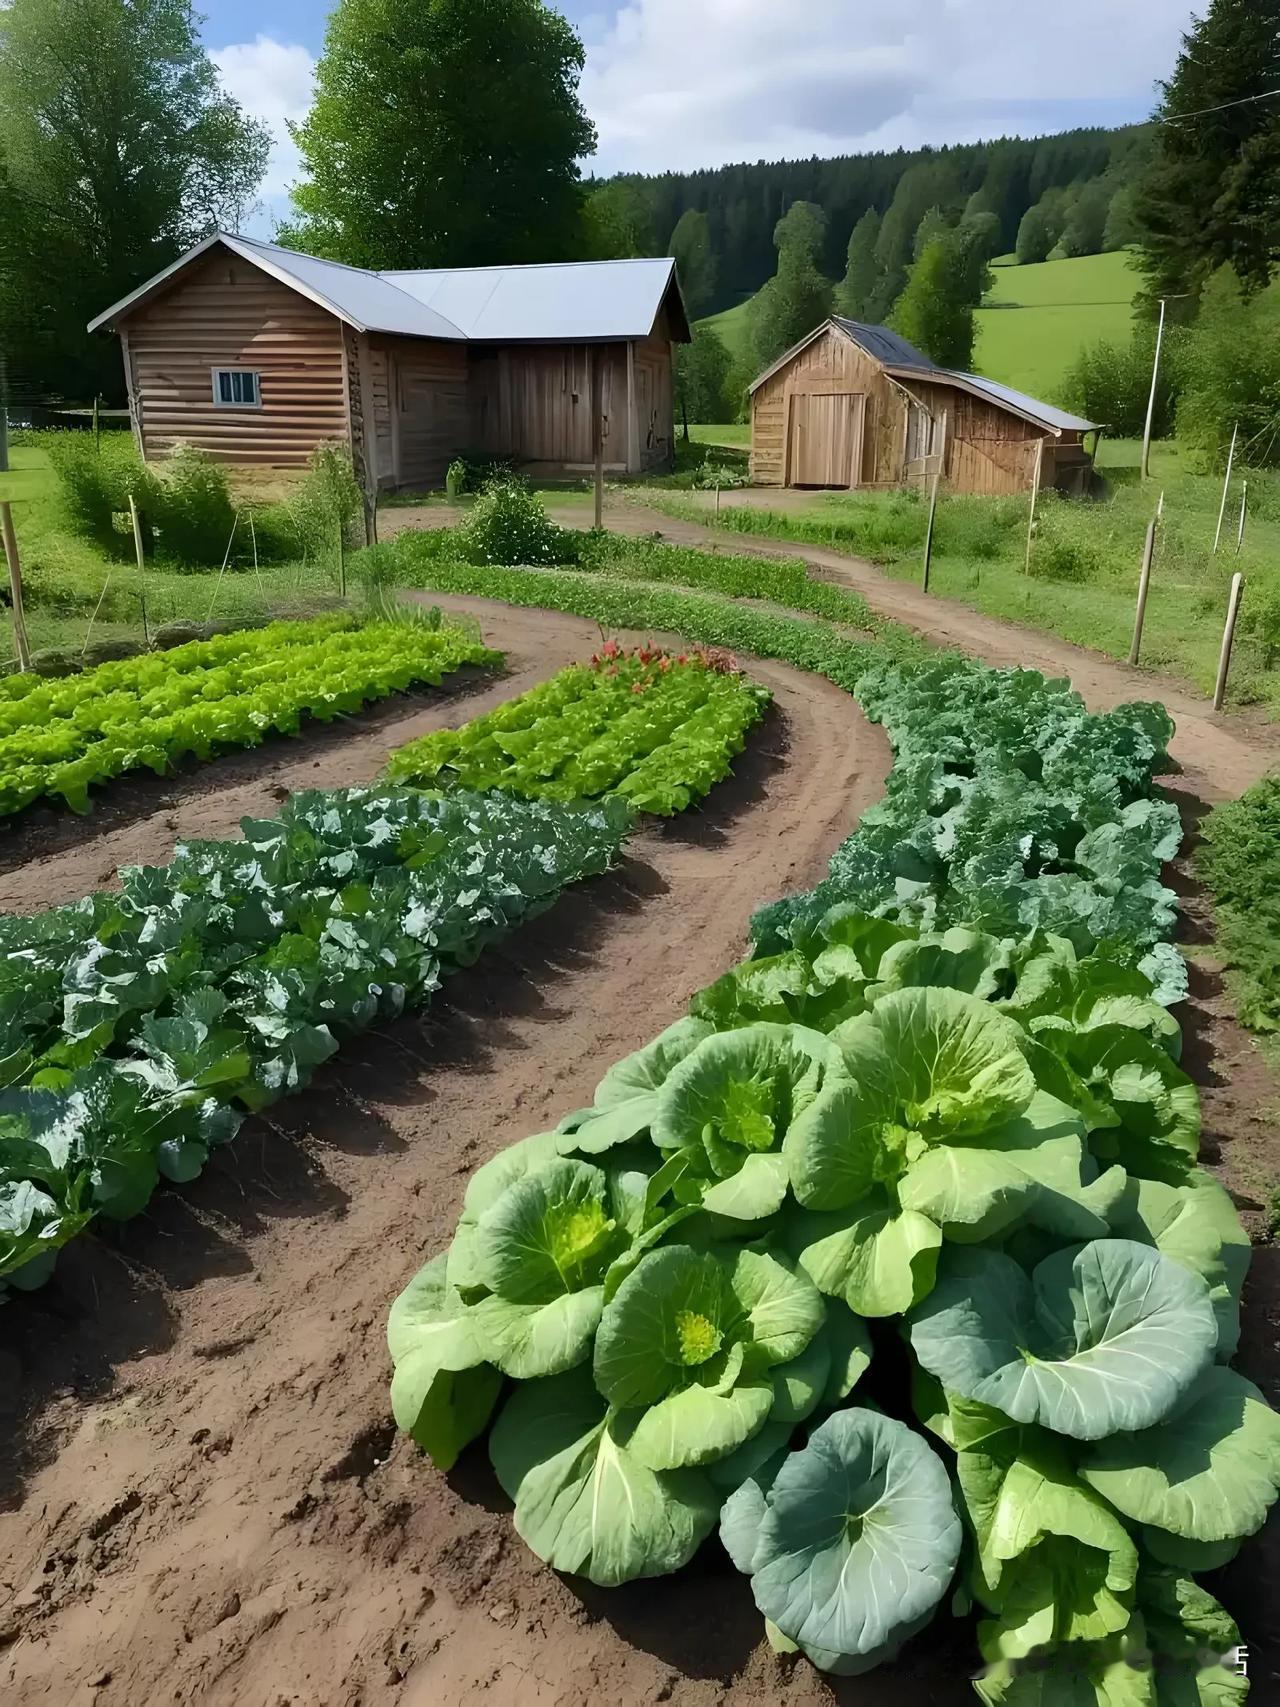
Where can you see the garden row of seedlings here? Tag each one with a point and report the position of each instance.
(940, 1102)
(138, 1027)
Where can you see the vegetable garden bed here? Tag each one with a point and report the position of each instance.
(979, 1129)
(60, 737)
(652, 728)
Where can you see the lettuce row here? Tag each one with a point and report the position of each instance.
(656, 729)
(136, 1028)
(58, 738)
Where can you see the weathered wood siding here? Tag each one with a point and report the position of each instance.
(655, 403)
(990, 451)
(832, 364)
(225, 312)
(430, 397)
(533, 403)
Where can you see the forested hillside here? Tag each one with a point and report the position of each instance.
(1080, 181)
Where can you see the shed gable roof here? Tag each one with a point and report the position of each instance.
(901, 360)
(572, 301)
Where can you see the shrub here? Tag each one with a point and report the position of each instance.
(328, 500)
(1232, 375)
(721, 476)
(190, 506)
(1111, 383)
(94, 483)
(509, 525)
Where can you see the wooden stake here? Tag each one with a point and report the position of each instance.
(136, 518)
(597, 430)
(933, 504)
(1226, 487)
(1151, 401)
(226, 558)
(1035, 493)
(1244, 504)
(342, 562)
(1144, 583)
(97, 424)
(1228, 640)
(15, 585)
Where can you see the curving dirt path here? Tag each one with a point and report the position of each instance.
(1221, 754)
(204, 1500)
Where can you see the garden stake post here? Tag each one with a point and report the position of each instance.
(1228, 640)
(15, 585)
(97, 424)
(1035, 493)
(136, 519)
(597, 431)
(235, 523)
(933, 504)
(342, 562)
(1244, 503)
(1226, 487)
(1144, 584)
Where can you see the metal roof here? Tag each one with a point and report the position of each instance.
(1061, 420)
(558, 302)
(903, 361)
(886, 346)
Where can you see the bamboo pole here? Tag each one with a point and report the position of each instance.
(1035, 494)
(597, 431)
(1228, 640)
(1226, 487)
(342, 562)
(15, 584)
(226, 558)
(97, 423)
(1144, 585)
(933, 503)
(1244, 505)
(89, 633)
(136, 518)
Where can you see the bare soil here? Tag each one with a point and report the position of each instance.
(203, 1497)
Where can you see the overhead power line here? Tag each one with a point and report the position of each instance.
(1202, 112)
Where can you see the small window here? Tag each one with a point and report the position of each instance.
(236, 388)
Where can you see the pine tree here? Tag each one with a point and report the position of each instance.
(853, 293)
(1209, 197)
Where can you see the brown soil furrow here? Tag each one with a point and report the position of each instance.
(205, 1502)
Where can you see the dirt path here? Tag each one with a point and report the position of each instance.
(1221, 755)
(205, 1499)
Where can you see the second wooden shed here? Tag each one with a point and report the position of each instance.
(858, 406)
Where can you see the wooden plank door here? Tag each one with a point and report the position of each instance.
(825, 447)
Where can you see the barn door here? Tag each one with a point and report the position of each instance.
(825, 446)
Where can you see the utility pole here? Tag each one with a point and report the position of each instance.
(1155, 382)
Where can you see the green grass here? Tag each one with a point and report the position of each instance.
(1038, 318)
(67, 578)
(733, 327)
(1084, 566)
(733, 435)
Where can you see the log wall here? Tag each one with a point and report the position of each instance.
(226, 313)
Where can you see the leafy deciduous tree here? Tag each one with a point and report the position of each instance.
(695, 262)
(702, 379)
(798, 297)
(118, 150)
(444, 133)
(935, 311)
(618, 220)
(853, 293)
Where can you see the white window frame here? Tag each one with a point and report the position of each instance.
(220, 402)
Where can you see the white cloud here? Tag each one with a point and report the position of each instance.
(687, 83)
(273, 81)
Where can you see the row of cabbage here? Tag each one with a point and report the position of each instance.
(658, 729)
(138, 1027)
(59, 737)
(894, 1124)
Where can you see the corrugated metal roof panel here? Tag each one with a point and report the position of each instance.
(552, 303)
(1061, 420)
(886, 346)
(572, 301)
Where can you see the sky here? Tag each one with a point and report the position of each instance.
(688, 83)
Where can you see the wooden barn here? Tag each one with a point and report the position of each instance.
(855, 405)
(258, 354)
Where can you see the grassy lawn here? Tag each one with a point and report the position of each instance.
(734, 434)
(1085, 562)
(67, 579)
(1038, 318)
(732, 327)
